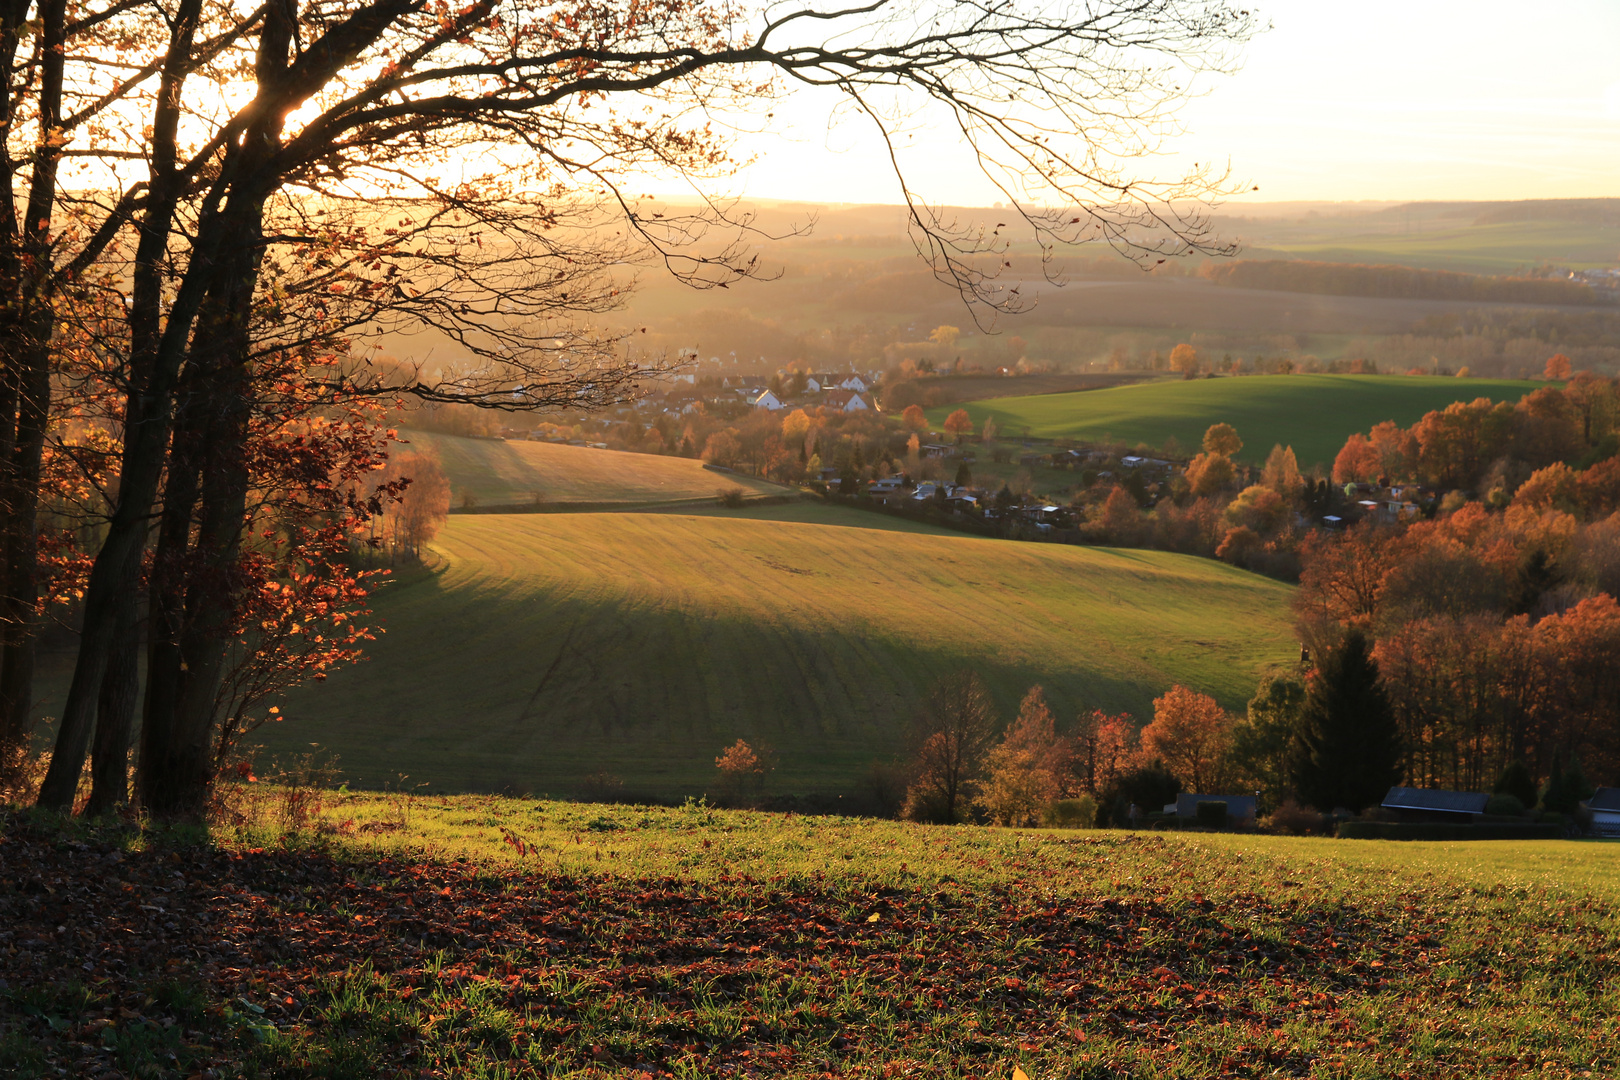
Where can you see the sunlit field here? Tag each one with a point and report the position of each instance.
(545, 647)
(521, 474)
(490, 937)
(1312, 413)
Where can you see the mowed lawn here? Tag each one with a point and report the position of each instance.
(482, 937)
(545, 647)
(1312, 413)
(496, 472)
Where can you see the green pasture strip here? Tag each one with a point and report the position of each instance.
(1312, 413)
(547, 647)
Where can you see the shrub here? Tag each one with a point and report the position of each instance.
(1212, 815)
(1078, 813)
(731, 498)
(1505, 806)
(1295, 820)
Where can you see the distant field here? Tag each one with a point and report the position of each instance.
(1499, 248)
(1312, 413)
(548, 646)
(498, 473)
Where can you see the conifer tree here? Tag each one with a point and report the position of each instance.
(1349, 747)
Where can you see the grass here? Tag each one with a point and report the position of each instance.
(500, 473)
(546, 647)
(481, 937)
(1312, 413)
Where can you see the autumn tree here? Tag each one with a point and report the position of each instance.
(1104, 745)
(1558, 368)
(913, 419)
(958, 424)
(1184, 358)
(741, 768)
(1190, 733)
(950, 738)
(1222, 439)
(1027, 769)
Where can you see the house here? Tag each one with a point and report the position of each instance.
(1604, 806)
(1419, 804)
(767, 400)
(935, 450)
(855, 383)
(1240, 809)
(812, 385)
(845, 401)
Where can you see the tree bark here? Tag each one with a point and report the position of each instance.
(115, 717)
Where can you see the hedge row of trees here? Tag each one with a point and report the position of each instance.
(1329, 741)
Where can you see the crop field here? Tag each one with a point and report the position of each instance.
(480, 937)
(1312, 413)
(500, 473)
(545, 647)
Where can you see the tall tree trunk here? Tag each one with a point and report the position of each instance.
(115, 716)
(157, 349)
(187, 653)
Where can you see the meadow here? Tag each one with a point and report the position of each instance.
(1312, 413)
(541, 648)
(500, 473)
(354, 936)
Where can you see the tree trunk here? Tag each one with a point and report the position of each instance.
(115, 716)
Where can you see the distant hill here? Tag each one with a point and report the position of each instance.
(547, 646)
(1312, 413)
(1403, 282)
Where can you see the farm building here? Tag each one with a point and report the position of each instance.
(1239, 808)
(1418, 804)
(1604, 806)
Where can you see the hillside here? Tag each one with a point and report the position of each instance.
(499, 473)
(546, 647)
(1312, 413)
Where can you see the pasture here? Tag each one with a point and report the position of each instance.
(482, 937)
(1312, 413)
(499, 473)
(545, 647)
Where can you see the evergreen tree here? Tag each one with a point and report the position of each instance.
(1349, 745)
(1517, 781)
(964, 475)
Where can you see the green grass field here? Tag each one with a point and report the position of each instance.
(499, 473)
(1312, 413)
(478, 938)
(544, 647)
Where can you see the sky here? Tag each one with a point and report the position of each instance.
(1377, 100)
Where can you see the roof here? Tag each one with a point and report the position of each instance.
(1455, 802)
(1238, 806)
(1605, 798)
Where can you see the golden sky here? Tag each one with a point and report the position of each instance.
(1378, 100)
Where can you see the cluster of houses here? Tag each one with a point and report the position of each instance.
(896, 491)
(844, 393)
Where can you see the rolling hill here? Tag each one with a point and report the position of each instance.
(544, 647)
(498, 473)
(1312, 413)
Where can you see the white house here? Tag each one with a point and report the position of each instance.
(846, 401)
(855, 383)
(767, 400)
(812, 385)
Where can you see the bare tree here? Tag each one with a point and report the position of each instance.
(950, 738)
